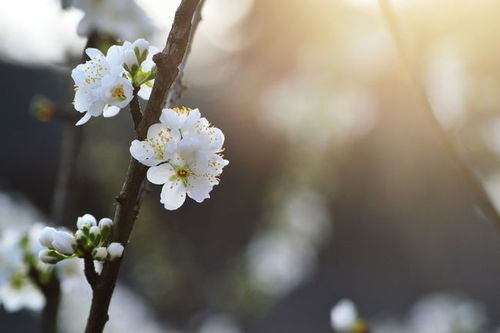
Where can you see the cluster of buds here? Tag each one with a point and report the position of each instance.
(138, 62)
(90, 240)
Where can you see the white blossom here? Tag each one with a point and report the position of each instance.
(160, 144)
(11, 257)
(115, 250)
(21, 294)
(120, 18)
(100, 85)
(105, 84)
(183, 151)
(344, 316)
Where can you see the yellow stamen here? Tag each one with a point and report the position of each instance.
(118, 93)
(181, 110)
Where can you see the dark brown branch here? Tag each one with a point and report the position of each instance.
(129, 200)
(168, 63)
(135, 110)
(467, 171)
(90, 272)
(178, 87)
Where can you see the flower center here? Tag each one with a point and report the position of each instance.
(181, 173)
(118, 93)
(182, 110)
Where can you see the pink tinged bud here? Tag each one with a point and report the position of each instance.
(63, 242)
(100, 253)
(115, 250)
(47, 236)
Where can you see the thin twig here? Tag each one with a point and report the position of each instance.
(129, 200)
(467, 171)
(178, 86)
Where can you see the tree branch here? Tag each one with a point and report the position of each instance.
(178, 87)
(467, 172)
(135, 109)
(90, 272)
(129, 200)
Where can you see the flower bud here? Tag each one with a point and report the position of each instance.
(95, 231)
(100, 253)
(79, 236)
(47, 236)
(105, 225)
(115, 250)
(48, 256)
(130, 59)
(63, 242)
(86, 221)
(141, 44)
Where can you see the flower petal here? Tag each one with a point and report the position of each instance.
(84, 119)
(173, 194)
(142, 151)
(93, 53)
(110, 111)
(199, 188)
(160, 174)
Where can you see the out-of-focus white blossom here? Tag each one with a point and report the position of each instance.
(219, 323)
(123, 19)
(284, 255)
(441, 313)
(183, 153)
(437, 313)
(344, 316)
(19, 246)
(21, 294)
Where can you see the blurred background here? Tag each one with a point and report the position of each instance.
(338, 186)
